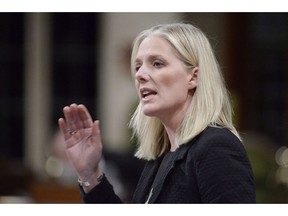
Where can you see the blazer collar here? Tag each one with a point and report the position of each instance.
(159, 179)
(150, 186)
(145, 182)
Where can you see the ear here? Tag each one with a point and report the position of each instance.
(193, 78)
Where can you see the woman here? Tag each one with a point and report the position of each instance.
(183, 123)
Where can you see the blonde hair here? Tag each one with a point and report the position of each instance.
(210, 105)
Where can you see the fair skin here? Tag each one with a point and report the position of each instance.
(165, 87)
(164, 84)
(83, 148)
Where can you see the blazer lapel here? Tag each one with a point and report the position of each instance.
(147, 177)
(160, 177)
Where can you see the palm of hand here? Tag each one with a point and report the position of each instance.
(84, 150)
(82, 139)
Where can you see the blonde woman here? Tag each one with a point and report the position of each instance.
(183, 123)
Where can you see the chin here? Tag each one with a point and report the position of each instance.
(151, 110)
(150, 113)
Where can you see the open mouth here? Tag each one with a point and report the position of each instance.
(146, 93)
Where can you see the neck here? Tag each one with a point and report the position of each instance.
(172, 133)
(172, 122)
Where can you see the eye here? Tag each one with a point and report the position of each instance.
(137, 67)
(157, 64)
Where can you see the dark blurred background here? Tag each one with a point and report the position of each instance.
(49, 60)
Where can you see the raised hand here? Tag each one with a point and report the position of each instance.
(82, 141)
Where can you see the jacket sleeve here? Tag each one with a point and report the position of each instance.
(102, 193)
(223, 171)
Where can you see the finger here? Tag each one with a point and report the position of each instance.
(85, 116)
(73, 119)
(96, 128)
(76, 119)
(70, 126)
(67, 133)
(96, 134)
(63, 128)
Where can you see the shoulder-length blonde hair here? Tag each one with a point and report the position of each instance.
(210, 105)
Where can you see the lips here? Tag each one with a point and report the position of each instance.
(146, 92)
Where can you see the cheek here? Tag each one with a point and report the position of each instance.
(167, 79)
(136, 84)
(173, 81)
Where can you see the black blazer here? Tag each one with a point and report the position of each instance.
(211, 168)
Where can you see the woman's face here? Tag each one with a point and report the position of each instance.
(162, 80)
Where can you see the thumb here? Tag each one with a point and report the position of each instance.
(96, 129)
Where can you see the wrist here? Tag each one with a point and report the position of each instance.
(89, 183)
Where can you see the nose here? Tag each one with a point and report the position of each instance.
(142, 75)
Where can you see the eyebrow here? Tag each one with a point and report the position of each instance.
(155, 56)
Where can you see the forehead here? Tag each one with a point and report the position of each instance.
(154, 45)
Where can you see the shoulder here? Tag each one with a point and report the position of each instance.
(219, 162)
(217, 134)
(216, 140)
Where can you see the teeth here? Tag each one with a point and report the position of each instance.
(146, 93)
